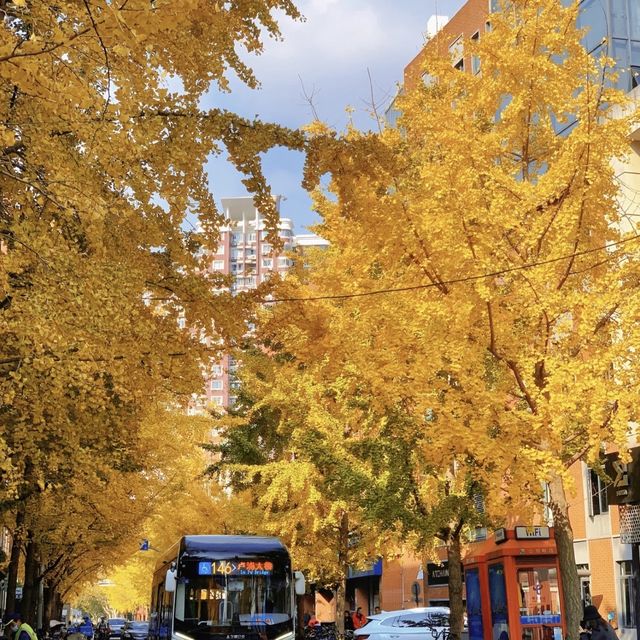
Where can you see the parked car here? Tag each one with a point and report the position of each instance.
(135, 630)
(115, 627)
(423, 623)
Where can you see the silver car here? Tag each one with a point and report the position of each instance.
(422, 623)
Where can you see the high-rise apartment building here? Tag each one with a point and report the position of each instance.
(244, 253)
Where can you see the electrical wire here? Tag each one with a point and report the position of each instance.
(462, 280)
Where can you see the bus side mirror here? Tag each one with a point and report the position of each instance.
(170, 581)
(300, 584)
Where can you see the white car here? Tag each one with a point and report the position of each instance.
(422, 623)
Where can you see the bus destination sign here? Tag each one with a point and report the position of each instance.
(236, 568)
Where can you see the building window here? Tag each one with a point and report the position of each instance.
(267, 262)
(627, 595)
(266, 248)
(475, 59)
(456, 52)
(252, 237)
(216, 370)
(216, 385)
(217, 400)
(236, 238)
(220, 249)
(218, 265)
(182, 322)
(598, 492)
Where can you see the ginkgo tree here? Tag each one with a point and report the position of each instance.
(103, 144)
(482, 276)
(285, 448)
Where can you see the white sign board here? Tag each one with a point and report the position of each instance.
(532, 533)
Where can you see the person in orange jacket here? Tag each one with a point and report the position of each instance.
(359, 619)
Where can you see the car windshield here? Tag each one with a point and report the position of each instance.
(140, 625)
(117, 620)
(241, 595)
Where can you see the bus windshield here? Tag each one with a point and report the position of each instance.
(210, 602)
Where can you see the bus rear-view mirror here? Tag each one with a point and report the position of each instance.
(170, 581)
(300, 584)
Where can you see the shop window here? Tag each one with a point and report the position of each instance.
(598, 492)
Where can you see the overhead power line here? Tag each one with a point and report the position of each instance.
(461, 280)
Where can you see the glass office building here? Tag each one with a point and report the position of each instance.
(614, 29)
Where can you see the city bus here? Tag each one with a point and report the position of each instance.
(225, 588)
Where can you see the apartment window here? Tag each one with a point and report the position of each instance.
(284, 262)
(252, 237)
(627, 595)
(456, 52)
(598, 492)
(475, 60)
(236, 238)
(218, 265)
(216, 385)
(216, 370)
(267, 262)
(182, 322)
(266, 248)
(217, 400)
(220, 249)
(427, 79)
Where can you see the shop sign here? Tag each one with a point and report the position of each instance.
(500, 535)
(624, 487)
(375, 569)
(438, 573)
(532, 533)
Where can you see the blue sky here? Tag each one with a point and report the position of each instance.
(329, 53)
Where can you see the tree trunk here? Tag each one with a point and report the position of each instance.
(456, 608)
(52, 605)
(30, 591)
(343, 563)
(566, 556)
(14, 560)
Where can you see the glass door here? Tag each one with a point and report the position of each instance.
(540, 614)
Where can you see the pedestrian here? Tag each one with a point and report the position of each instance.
(313, 621)
(19, 630)
(596, 626)
(359, 619)
(348, 622)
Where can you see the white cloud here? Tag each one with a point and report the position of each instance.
(349, 32)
